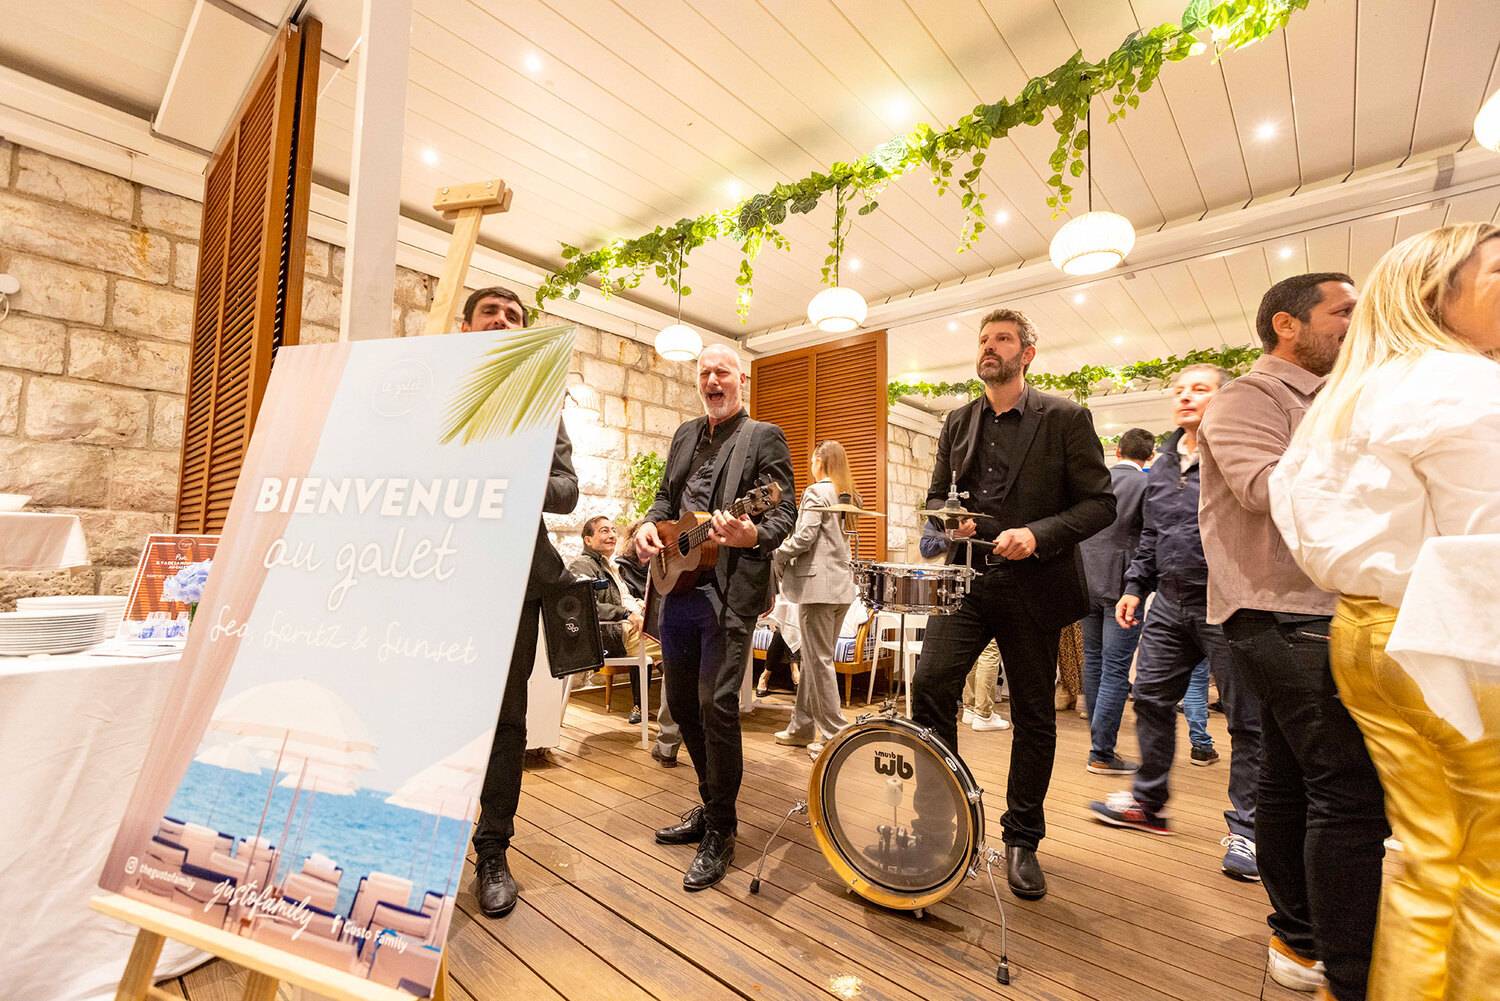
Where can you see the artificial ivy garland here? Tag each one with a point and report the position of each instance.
(1081, 383)
(1125, 74)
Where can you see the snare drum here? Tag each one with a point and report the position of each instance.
(911, 587)
(896, 813)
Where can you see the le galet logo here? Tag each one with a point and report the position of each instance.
(400, 387)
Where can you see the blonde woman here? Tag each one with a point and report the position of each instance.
(1390, 495)
(816, 578)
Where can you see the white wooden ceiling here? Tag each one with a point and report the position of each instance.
(610, 117)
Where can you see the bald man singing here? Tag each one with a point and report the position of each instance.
(705, 632)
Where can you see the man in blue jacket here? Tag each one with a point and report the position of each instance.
(1177, 635)
(1109, 648)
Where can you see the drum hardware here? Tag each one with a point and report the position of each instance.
(843, 509)
(867, 804)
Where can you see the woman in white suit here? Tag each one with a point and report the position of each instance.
(815, 576)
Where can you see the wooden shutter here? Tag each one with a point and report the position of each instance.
(832, 391)
(251, 251)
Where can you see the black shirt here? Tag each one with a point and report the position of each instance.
(698, 491)
(994, 456)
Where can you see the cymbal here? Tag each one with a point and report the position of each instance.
(948, 512)
(843, 509)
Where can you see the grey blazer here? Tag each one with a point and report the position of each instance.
(814, 557)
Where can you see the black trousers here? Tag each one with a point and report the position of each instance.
(501, 792)
(995, 610)
(706, 648)
(1320, 820)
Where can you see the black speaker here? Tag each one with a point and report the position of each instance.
(570, 622)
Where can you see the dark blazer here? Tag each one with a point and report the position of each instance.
(547, 570)
(1170, 552)
(744, 575)
(1106, 555)
(1059, 489)
(608, 599)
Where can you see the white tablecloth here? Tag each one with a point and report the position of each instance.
(31, 540)
(73, 736)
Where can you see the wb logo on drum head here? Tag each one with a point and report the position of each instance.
(892, 763)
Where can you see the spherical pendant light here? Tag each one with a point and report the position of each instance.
(837, 310)
(1091, 243)
(1487, 123)
(678, 342)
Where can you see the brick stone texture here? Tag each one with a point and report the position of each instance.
(908, 473)
(94, 357)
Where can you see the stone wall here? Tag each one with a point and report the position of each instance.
(909, 455)
(94, 360)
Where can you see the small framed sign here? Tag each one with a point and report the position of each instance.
(156, 609)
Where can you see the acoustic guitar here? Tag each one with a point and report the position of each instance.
(686, 549)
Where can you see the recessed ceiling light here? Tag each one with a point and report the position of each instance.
(735, 189)
(952, 325)
(1079, 299)
(1002, 216)
(853, 263)
(898, 110)
(1285, 253)
(1265, 131)
(583, 154)
(533, 63)
(1119, 340)
(429, 156)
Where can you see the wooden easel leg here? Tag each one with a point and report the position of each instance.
(259, 987)
(440, 989)
(451, 282)
(141, 967)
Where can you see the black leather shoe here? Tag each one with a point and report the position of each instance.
(688, 832)
(495, 886)
(711, 862)
(1024, 873)
(666, 760)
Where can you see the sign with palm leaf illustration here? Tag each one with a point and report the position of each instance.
(356, 629)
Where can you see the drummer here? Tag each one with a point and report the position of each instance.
(1035, 478)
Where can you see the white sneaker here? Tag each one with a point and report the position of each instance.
(968, 715)
(791, 739)
(814, 749)
(994, 721)
(1294, 972)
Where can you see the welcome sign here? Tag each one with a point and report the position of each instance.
(313, 782)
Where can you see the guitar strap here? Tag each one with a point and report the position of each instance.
(729, 487)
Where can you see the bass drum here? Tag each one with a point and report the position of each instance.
(896, 813)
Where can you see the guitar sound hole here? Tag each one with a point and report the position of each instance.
(682, 545)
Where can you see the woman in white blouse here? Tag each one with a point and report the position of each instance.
(1390, 494)
(815, 576)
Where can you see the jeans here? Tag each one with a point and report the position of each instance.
(995, 609)
(1174, 638)
(707, 652)
(501, 792)
(1108, 650)
(1195, 707)
(1320, 813)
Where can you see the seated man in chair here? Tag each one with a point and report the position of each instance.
(620, 612)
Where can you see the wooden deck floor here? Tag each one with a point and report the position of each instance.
(602, 915)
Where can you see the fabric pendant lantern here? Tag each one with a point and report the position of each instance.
(837, 310)
(1487, 123)
(678, 342)
(1091, 243)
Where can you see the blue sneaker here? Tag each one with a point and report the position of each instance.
(1239, 859)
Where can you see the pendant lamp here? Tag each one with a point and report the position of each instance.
(1094, 241)
(581, 397)
(1487, 123)
(837, 309)
(678, 341)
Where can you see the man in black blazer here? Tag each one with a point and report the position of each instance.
(1108, 647)
(1034, 470)
(501, 309)
(705, 633)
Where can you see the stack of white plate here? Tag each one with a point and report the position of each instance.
(53, 630)
(111, 603)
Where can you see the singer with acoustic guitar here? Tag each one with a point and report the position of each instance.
(734, 467)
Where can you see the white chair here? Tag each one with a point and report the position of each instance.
(899, 634)
(642, 665)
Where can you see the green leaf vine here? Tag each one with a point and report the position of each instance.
(646, 472)
(1082, 382)
(1065, 94)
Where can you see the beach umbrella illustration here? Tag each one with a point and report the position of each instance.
(303, 717)
(232, 757)
(447, 788)
(316, 777)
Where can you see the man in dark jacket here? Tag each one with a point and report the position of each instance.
(705, 631)
(501, 309)
(1177, 635)
(1109, 648)
(1032, 467)
(620, 618)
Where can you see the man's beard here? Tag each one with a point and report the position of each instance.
(1007, 370)
(1315, 356)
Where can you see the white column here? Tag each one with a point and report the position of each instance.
(375, 177)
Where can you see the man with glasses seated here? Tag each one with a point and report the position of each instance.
(620, 612)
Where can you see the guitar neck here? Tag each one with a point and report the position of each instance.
(699, 535)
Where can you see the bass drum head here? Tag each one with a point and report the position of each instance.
(897, 816)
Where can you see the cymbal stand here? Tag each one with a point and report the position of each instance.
(989, 856)
(798, 807)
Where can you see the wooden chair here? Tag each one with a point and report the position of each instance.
(861, 656)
